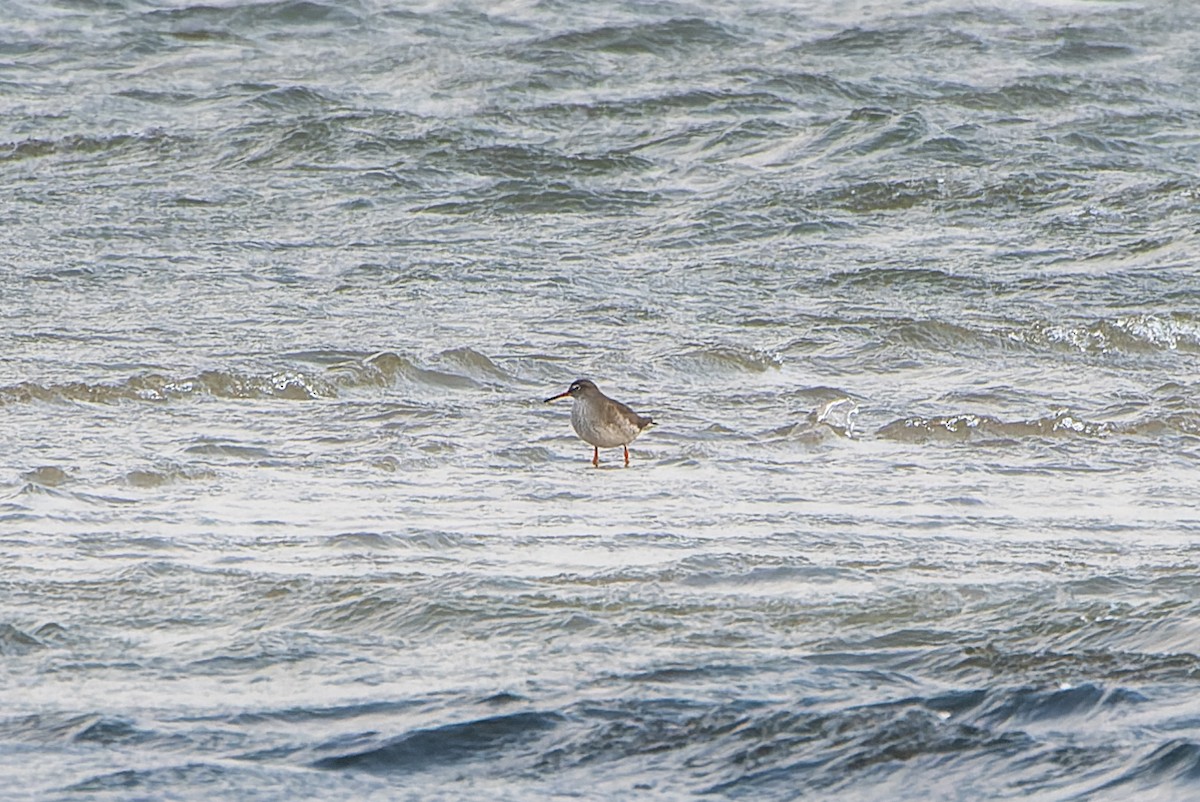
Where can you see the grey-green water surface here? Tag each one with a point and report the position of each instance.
(911, 289)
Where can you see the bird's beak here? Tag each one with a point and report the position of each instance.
(560, 395)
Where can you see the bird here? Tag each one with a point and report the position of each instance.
(600, 421)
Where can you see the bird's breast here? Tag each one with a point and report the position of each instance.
(598, 429)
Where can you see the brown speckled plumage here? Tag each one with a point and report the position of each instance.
(600, 421)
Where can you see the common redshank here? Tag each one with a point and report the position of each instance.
(601, 421)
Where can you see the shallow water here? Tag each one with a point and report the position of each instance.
(912, 292)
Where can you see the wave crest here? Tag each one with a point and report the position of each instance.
(968, 426)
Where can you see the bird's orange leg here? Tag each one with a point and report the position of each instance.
(596, 456)
(626, 455)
